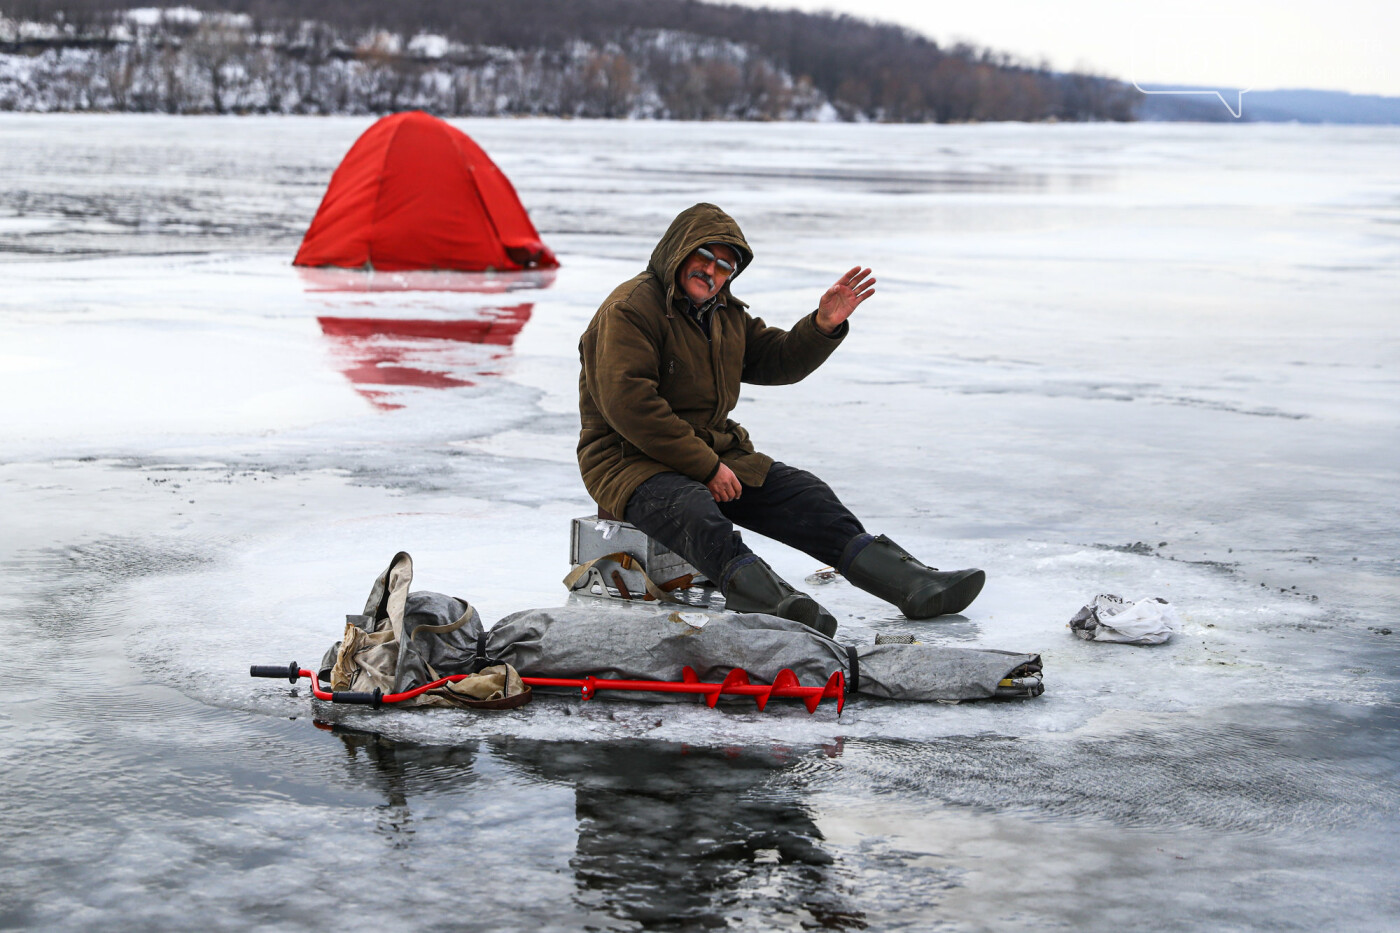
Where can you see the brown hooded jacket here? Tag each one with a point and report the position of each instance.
(655, 394)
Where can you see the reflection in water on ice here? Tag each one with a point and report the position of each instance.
(666, 835)
(423, 353)
(380, 350)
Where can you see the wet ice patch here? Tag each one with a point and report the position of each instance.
(1220, 656)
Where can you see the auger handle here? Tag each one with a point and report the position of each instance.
(364, 699)
(292, 671)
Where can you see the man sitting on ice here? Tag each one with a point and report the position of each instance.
(662, 361)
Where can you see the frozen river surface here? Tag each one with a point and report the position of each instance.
(1146, 360)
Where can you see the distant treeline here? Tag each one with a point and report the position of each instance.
(679, 59)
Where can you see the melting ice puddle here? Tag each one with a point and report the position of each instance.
(379, 350)
(1222, 657)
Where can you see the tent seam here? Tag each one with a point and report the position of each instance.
(476, 190)
(378, 191)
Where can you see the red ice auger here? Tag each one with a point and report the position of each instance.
(736, 683)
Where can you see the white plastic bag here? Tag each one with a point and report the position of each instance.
(1149, 621)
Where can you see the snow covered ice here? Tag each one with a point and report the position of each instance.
(1147, 360)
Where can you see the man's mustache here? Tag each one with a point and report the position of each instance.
(697, 274)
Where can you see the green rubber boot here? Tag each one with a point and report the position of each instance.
(750, 585)
(884, 568)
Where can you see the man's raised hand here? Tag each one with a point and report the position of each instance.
(842, 299)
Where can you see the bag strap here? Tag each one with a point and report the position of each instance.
(446, 626)
(626, 562)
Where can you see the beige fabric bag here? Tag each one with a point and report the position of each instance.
(392, 645)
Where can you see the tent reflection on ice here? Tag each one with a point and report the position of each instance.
(421, 648)
(414, 192)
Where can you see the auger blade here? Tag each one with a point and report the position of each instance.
(836, 687)
(786, 678)
(735, 678)
(786, 684)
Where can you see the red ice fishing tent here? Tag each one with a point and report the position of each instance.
(415, 193)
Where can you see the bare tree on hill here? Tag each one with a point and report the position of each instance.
(604, 58)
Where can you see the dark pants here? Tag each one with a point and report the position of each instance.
(792, 506)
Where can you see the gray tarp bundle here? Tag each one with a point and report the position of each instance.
(407, 639)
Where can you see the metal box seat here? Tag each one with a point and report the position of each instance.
(597, 537)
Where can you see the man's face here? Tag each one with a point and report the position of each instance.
(702, 278)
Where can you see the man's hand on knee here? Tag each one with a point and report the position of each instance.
(724, 485)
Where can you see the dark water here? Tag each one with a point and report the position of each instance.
(283, 825)
(131, 806)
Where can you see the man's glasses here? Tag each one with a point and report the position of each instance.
(723, 265)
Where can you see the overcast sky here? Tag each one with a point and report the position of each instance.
(1349, 45)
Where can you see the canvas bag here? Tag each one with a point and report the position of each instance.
(404, 640)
